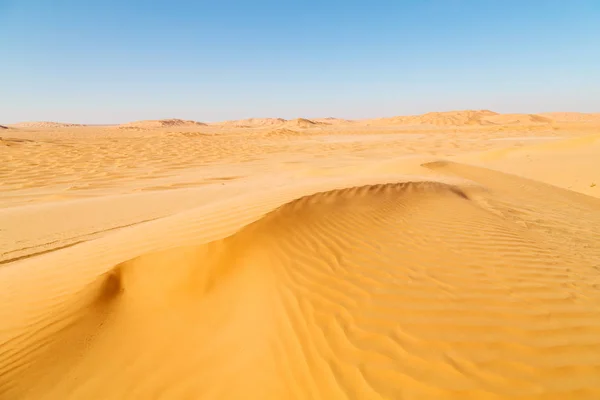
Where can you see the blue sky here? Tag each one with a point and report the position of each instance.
(111, 61)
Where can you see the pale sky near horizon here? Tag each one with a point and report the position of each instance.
(115, 61)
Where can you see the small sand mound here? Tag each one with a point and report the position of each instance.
(161, 123)
(420, 290)
(44, 124)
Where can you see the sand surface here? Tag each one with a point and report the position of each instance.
(443, 256)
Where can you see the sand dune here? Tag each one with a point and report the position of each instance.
(572, 116)
(332, 121)
(329, 289)
(465, 118)
(455, 118)
(270, 122)
(359, 263)
(44, 124)
(447, 118)
(303, 123)
(3, 127)
(161, 123)
(254, 122)
(513, 119)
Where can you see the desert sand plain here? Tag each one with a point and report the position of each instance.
(449, 255)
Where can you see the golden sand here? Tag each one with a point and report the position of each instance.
(454, 260)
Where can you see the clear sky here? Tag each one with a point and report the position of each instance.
(110, 61)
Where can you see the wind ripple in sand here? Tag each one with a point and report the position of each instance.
(409, 290)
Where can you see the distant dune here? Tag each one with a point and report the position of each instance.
(332, 121)
(456, 118)
(513, 119)
(303, 123)
(161, 123)
(253, 122)
(447, 118)
(44, 124)
(464, 118)
(3, 127)
(271, 122)
(572, 116)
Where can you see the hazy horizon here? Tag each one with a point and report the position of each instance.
(109, 62)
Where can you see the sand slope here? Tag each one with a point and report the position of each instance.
(283, 132)
(572, 163)
(465, 283)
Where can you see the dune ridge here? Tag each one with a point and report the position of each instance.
(330, 289)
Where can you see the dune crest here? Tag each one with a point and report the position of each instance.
(373, 291)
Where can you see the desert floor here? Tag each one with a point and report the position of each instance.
(378, 259)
